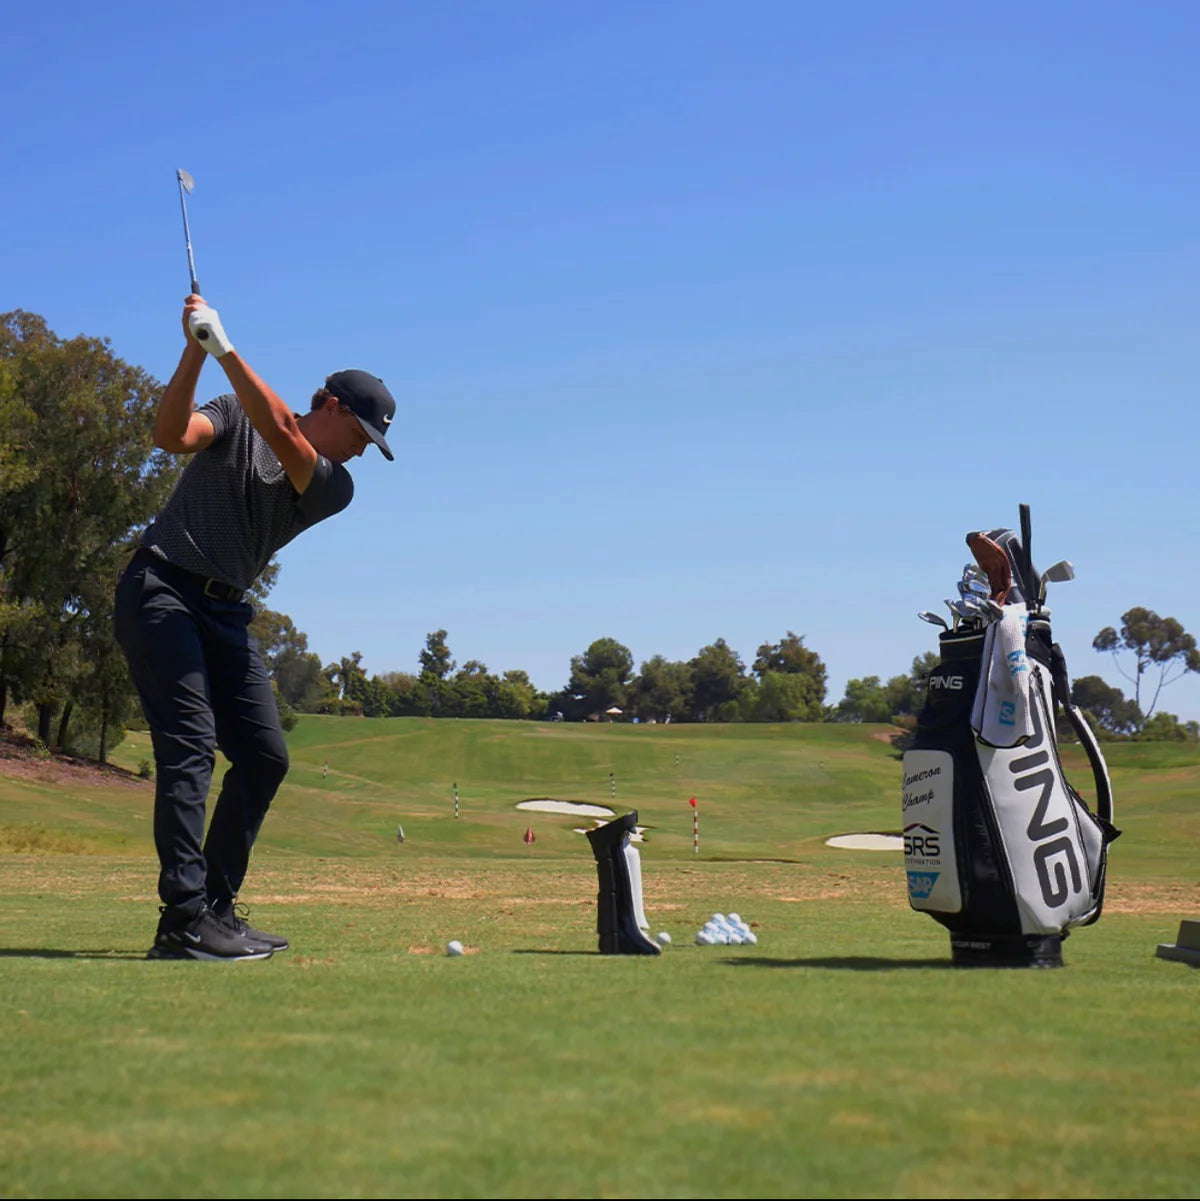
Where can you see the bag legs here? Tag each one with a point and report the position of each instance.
(619, 911)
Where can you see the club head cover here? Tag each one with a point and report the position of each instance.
(994, 562)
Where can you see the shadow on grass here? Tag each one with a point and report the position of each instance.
(847, 963)
(551, 951)
(48, 953)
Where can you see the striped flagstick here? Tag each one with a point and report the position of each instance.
(695, 826)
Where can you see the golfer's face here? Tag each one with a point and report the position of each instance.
(353, 438)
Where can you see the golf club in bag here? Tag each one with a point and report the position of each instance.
(620, 918)
(998, 846)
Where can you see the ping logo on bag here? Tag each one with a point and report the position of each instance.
(1054, 857)
(954, 683)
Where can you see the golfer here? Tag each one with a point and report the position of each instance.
(260, 474)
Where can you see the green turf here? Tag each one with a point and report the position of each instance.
(838, 1057)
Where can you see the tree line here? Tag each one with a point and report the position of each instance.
(80, 479)
(786, 682)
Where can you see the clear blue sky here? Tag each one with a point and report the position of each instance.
(705, 320)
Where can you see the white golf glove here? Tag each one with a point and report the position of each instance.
(206, 328)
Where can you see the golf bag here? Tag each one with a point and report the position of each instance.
(998, 846)
(620, 918)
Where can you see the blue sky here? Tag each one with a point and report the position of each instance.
(705, 320)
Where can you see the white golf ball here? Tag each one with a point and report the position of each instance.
(703, 938)
(736, 918)
(736, 939)
(454, 947)
(750, 937)
(664, 938)
(719, 918)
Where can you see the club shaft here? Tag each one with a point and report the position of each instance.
(187, 236)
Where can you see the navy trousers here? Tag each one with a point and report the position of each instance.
(202, 684)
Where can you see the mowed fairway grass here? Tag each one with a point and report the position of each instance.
(840, 1056)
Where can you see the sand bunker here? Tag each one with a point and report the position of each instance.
(866, 842)
(577, 808)
(598, 813)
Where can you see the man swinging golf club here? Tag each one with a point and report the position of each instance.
(259, 475)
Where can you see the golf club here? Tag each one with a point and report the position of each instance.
(935, 619)
(186, 184)
(1057, 574)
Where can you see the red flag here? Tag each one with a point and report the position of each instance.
(529, 838)
(692, 802)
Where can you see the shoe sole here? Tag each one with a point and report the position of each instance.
(173, 953)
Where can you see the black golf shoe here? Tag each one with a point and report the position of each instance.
(202, 935)
(234, 914)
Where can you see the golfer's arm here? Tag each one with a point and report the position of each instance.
(178, 428)
(273, 419)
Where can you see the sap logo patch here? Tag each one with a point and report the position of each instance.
(920, 884)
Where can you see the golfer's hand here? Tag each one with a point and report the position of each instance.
(190, 305)
(205, 326)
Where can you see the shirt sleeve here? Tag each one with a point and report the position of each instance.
(221, 411)
(329, 491)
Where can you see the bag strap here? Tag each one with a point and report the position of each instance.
(1062, 695)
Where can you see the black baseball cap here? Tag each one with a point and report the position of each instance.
(369, 400)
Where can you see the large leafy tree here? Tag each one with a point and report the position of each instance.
(1162, 651)
(791, 681)
(436, 660)
(865, 700)
(515, 696)
(80, 477)
(436, 665)
(718, 681)
(295, 670)
(470, 690)
(1112, 710)
(350, 677)
(869, 699)
(662, 690)
(600, 676)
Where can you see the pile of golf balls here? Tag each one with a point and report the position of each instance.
(725, 930)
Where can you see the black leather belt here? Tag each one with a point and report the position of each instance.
(212, 588)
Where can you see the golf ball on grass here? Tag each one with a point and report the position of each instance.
(454, 947)
(664, 939)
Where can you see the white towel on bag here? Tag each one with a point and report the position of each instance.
(1000, 716)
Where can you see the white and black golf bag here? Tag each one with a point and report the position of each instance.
(620, 917)
(998, 846)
